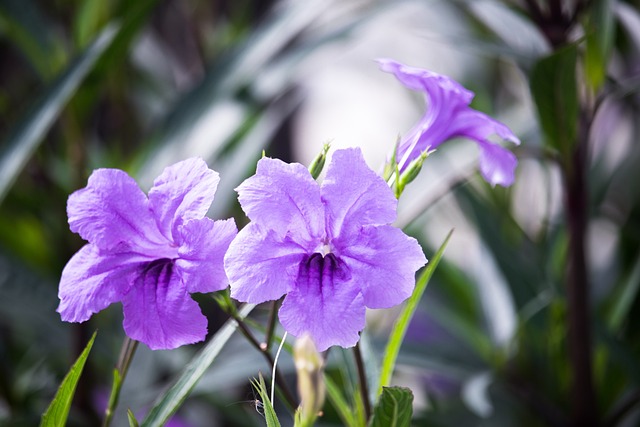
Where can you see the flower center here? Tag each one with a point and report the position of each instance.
(324, 248)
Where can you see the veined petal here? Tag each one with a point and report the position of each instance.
(159, 312)
(182, 192)
(112, 211)
(284, 198)
(354, 195)
(427, 81)
(91, 281)
(383, 260)
(325, 303)
(478, 126)
(261, 265)
(497, 164)
(201, 256)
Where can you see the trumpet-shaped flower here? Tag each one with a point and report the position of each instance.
(149, 253)
(448, 116)
(328, 247)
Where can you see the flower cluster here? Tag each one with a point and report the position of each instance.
(329, 249)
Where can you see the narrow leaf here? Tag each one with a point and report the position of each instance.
(24, 139)
(555, 92)
(623, 300)
(132, 419)
(600, 30)
(58, 411)
(394, 408)
(402, 323)
(339, 403)
(269, 413)
(171, 400)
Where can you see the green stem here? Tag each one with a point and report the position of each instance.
(127, 351)
(362, 378)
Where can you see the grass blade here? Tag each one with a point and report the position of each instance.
(25, 138)
(339, 403)
(58, 411)
(169, 403)
(402, 323)
(269, 413)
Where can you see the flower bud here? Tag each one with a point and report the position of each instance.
(311, 387)
(316, 166)
(412, 171)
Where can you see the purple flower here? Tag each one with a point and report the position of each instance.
(148, 253)
(448, 116)
(329, 248)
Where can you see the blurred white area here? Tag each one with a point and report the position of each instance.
(350, 102)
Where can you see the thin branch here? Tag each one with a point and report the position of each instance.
(288, 396)
(271, 326)
(362, 378)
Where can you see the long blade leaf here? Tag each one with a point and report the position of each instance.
(24, 139)
(58, 411)
(169, 403)
(402, 323)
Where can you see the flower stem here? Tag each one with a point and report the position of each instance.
(580, 348)
(271, 326)
(127, 351)
(362, 378)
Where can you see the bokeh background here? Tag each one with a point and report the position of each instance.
(139, 85)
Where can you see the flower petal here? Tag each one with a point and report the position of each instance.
(284, 198)
(428, 82)
(478, 126)
(354, 195)
(326, 304)
(91, 281)
(201, 256)
(159, 312)
(262, 266)
(497, 164)
(182, 192)
(112, 211)
(383, 260)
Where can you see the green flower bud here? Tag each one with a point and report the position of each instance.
(412, 171)
(316, 166)
(311, 387)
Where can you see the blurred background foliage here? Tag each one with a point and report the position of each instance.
(141, 84)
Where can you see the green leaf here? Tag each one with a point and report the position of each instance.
(24, 139)
(340, 404)
(173, 398)
(402, 323)
(24, 24)
(623, 299)
(56, 414)
(555, 92)
(132, 419)
(91, 16)
(600, 28)
(269, 413)
(394, 409)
